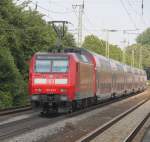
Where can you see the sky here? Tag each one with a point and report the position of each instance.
(124, 16)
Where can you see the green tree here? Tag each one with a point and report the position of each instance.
(11, 81)
(93, 43)
(97, 45)
(23, 32)
(144, 38)
(143, 44)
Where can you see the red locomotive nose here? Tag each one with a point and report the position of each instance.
(50, 84)
(50, 75)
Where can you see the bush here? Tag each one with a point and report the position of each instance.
(6, 100)
(11, 81)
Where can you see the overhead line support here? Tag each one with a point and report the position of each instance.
(80, 21)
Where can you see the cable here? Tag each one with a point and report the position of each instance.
(54, 12)
(130, 18)
(92, 26)
(132, 8)
(141, 17)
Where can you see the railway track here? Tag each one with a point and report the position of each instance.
(131, 136)
(14, 110)
(98, 136)
(17, 128)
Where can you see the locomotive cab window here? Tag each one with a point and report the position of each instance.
(47, 64)
(60, 66)
(42, 66)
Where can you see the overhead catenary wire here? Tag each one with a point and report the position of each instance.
(93, 25)
(128, 14)
(89, 30)
(132, 7)
(139, 14)
(51, 11)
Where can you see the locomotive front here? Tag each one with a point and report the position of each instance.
(49, 82)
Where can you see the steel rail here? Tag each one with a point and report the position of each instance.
(15, 110)
(101, 129)
(25, 128)
(132, 135)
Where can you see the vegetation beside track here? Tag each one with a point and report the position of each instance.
(22, 33)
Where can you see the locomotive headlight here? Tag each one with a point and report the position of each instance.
(61, 81)
(35, 98)
(40, 81)
(63, 90)
(63, 98)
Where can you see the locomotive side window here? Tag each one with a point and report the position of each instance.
(60, 66)
(43, 66)
(82, 58)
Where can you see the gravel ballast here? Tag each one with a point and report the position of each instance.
(71, 129)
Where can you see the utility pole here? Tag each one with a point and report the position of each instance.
(107, 44)
(141, 58)
(80, 21)
(140, 54)
(107, 50)
(142, 7)
(124, 53)
(133, 49)
(124, 44)
(36, 5)
(132, 60)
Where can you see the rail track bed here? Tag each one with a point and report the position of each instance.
(15, 110)
(66, 128)
(122, 128)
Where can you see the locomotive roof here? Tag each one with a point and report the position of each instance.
(83, 50)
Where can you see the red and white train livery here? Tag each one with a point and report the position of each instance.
(75, 77)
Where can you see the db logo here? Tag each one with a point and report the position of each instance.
(51, 81)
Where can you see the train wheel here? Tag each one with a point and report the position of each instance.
(85, 103)
(95, 100)
(113, 96)
(73, 107)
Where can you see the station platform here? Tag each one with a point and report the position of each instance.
(147, 136)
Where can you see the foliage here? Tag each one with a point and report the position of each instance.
(144, 38)
(11, 80)
(68, 40)
(22, 33)
(5, 100)
(97, 45)
(143, 44)
(93, 43)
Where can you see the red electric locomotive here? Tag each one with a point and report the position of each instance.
(56, 80)
(75, 77)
